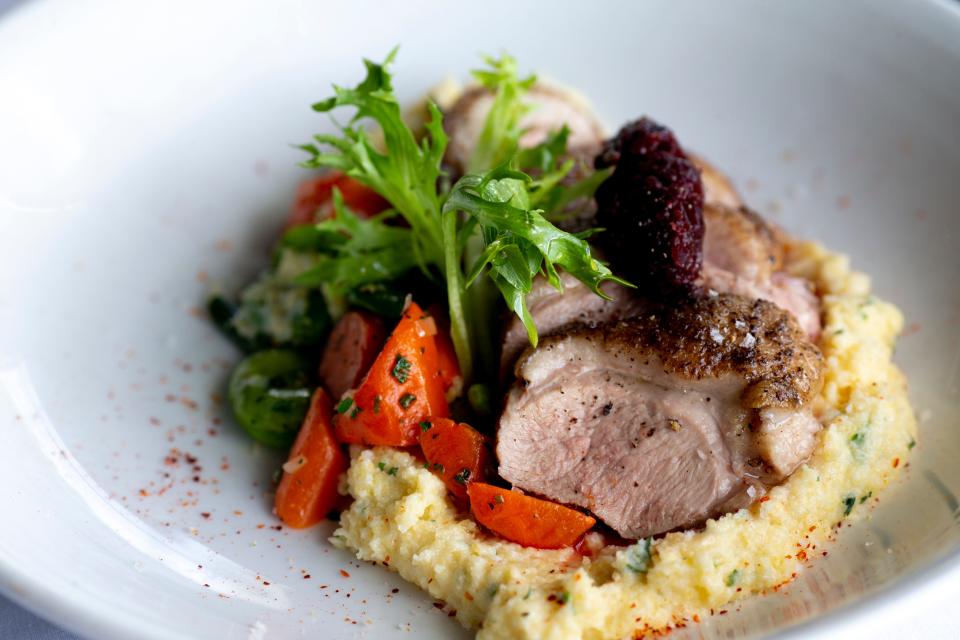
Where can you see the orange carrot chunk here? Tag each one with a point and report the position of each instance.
(456, 452)
(448, 369)
(526, 520)
(308, 488)
(402, 388)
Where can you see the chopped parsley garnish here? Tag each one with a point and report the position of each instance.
(392, 471)
(401, 369)
(638, 556)
(462, 477)
(425, 425)
(866, 496)
(344, 405)
(438, 467)
(911, 444)
(498, 499)
(848, 503)
(406, 400)
(857, 442)
(564, 597)
(733, 577)
(376, 404)
(355, 412)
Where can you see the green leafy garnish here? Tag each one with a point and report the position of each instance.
(849, 503)
(638, 556)
(462, 476)
(501, 131)
(352, 252)
(344, 405)
(492, 223)
(520, 242)
(406, 400)
(857, 442)
(401, 369)
(732, 578)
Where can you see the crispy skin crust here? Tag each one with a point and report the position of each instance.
(709, 336)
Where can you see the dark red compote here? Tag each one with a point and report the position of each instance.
(651, 208)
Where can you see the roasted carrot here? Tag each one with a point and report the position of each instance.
(456, 452)
(448, 368)
(403, 387)
(314, 199)
(308, 488)
(524, 519)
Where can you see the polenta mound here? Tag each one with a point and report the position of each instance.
(404, 518)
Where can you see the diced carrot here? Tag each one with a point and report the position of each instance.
(448, 366)
(308, 488)
(402, 388)
(456, 452)
(314, 199)
(526, 520)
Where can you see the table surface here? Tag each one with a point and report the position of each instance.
(17, 623)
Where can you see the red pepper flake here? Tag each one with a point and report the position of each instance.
(143, 493)
(812, 528)
(206, 515)
(468, 596)
(344, 573)
(266, 584)
(764, 499)
(438, 605)
(394, 590)
(896, 462)
(802, 556)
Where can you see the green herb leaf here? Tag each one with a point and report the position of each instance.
(425, 425)
(732, 578)
(520, 242)
(462, 477)
(344, 405)
(401, 369)
(639, 558)
(848, 503)
(351, 252)
(406, 400)
(501, 129)
(406, 173)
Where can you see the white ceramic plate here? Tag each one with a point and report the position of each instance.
(144, 154)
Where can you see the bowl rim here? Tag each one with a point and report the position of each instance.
(78, 612)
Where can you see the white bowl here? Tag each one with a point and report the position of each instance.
(145, 155)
